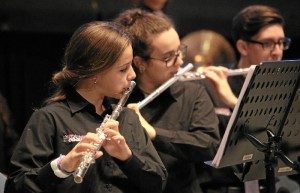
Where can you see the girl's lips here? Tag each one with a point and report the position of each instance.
(125, 89)
(174, 73)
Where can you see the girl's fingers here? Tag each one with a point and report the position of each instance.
(112, 124)
(98, 154)
(90, 138)
(119, 139)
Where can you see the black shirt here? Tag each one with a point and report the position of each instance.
(56, 128)
(236, 83)
(187, 132)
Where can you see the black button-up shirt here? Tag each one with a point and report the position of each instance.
(236, 82)
(187, 132)
(56, 128)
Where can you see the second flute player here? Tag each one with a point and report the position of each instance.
(181, 120)
(97, 65)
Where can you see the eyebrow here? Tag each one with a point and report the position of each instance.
(171, 51)
(125, 64)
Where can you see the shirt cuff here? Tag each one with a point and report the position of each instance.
(57, 171)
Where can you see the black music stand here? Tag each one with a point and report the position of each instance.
(263, 134)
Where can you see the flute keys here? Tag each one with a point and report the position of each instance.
(192, 76)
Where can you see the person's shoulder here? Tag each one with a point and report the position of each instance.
(188, 90)
(188, 85)
(128, 112)
(129, 116)
(51, 108)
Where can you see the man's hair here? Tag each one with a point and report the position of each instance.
(250, 20)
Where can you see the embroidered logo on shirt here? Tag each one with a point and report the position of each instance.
(72, 138)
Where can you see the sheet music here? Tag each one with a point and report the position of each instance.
(216, 161)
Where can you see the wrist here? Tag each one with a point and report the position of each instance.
(55, 165)
(59, 165)
(126, 156)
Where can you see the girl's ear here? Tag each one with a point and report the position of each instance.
(94, 79)
(139, 63)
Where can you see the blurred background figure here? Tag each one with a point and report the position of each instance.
(207, 47)
(154, 6)
(8, 135)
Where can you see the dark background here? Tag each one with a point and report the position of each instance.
(33, 34)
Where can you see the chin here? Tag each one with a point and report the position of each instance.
(118, 96)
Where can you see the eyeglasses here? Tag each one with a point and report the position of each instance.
(283, 44)
(171, 59)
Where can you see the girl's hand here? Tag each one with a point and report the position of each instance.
(218, 77)
(150, 130)
(115, 144)
(72, 160)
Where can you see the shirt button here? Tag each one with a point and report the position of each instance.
(109, 164)
(108, 187)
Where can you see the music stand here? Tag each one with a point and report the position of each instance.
(263, 133)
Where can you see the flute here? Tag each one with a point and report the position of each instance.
(200, 75)
(164, 86)
(89, 158)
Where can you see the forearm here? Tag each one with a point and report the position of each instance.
(32, 180)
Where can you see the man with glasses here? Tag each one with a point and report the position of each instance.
(181, 121)
(258, 33)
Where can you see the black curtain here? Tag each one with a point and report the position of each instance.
(28, 61)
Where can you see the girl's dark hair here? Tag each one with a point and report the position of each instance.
(93, 48)
(251, 19)
(143, 26)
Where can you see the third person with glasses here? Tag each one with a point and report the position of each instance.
(258, 34)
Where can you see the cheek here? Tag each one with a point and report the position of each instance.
(259, 56)
(158, 75)
(109, 85)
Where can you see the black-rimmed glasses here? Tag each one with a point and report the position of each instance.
(171, 60)
(283, 44)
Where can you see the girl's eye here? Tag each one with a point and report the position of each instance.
(124, 69)
(167, 59)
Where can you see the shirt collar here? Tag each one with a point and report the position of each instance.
(77, 103)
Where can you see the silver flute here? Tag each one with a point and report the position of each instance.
(89, 158)
(200, 75)
(164, 86)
